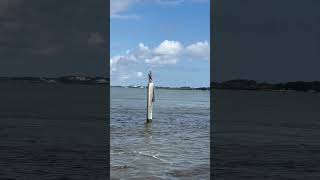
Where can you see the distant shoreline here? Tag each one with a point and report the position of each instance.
(236, 84)
(72, 79)
(245, 84)
(172, 88)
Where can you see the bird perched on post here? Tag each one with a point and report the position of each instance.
(150, 76)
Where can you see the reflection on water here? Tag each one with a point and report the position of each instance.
(147, 133)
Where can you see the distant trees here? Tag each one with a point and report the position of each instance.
(244, 84)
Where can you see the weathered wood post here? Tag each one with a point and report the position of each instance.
(150, 98)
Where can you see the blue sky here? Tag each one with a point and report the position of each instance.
(169, 37)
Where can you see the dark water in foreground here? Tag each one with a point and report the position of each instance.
(58, 132)
(266, 135)
(176, 144)
(53, 131)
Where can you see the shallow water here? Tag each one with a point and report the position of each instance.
(53, 131)
(266, 135)
(174, 146)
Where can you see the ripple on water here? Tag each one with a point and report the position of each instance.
(169, 147)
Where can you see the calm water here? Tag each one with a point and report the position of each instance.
(266, 135)
(175, 145)
(59, 132)
(53, 131)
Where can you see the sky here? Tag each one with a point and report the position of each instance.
(169, 37)
(263, 40)
(266, 40)
(53, 38)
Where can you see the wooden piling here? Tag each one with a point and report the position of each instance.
(150, 102)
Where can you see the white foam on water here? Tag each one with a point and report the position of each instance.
(155, 156)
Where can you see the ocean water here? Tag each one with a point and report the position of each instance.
(176, 145)
(53, 131)
(266, 135)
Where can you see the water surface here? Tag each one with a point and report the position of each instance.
(174, 146)
(266, 135)
(53, 131)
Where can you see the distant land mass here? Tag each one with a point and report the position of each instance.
(72, 79)
(236, 84)
(161, 87)
(245, 84)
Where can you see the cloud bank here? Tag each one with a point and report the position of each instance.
(167, 53)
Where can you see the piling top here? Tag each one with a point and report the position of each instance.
(150, 77)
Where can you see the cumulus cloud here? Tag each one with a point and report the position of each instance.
(165, 54)
(168, 52)
(199, 49)
(169, 48)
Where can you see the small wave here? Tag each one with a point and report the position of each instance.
(155, 156)
(116, 153)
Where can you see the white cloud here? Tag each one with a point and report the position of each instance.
(139, 74)
(142, 52)
(161, 60)
(199, 49)
(168, 52)
(143, 47)
(173, 48)
(131, 64)
(119, 7)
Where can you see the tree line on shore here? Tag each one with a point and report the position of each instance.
(244, 84)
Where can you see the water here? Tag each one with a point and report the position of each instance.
(266, 135)
(53, 131)
(175, 145)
